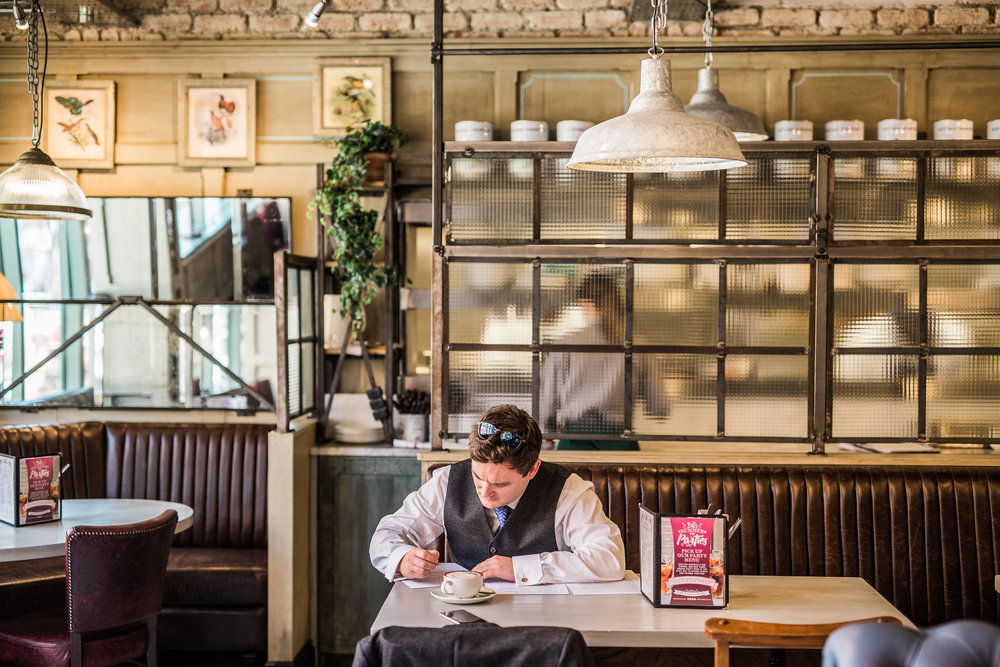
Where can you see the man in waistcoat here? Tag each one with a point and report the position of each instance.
(504, 513)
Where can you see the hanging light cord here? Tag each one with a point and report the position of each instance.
(36, 85)
(657, 22)
(707, 29)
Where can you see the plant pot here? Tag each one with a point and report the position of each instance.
(375, 170)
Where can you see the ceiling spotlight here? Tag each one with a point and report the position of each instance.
(20, 20)
(313, 18)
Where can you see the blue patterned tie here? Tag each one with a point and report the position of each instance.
(502, 514)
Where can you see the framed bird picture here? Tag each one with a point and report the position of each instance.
(218, 123)
(79, 129)
(349, 91)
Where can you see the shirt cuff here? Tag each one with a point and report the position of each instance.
(392, 564)
(527, 569)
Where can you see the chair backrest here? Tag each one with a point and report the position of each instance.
(114, 574)
(963, 643)
(727, 632)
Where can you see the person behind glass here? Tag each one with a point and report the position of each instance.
(504, 513)
(585, 391)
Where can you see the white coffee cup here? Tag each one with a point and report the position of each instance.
(473, 130)
(845, 130)
(993, 129)
(949, 128)
(793, 130)
(529, 130)
(570, 130)
(897, 129)
(462, 584)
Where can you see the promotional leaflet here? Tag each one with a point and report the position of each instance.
(682, 559)
(29, 489)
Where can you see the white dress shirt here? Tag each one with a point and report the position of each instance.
(590, 544)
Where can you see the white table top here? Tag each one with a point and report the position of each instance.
(49, 539)
(630, 620)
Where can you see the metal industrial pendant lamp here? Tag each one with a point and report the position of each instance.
(34, 187)
(709, 102)
(655, 134)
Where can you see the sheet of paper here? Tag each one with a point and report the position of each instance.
(510, 588)
(433, 580)
(899, 447)
(628, 585)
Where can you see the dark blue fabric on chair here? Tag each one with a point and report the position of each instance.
(965, 643)
(473, 645)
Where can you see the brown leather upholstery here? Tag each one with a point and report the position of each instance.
(114, 589)
(927, 538)
(216, 588)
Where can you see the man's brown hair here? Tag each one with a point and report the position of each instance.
(493, 449)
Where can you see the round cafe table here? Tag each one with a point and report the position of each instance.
(44, 540)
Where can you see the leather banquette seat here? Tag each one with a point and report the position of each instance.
(215, 594)
(927, 538)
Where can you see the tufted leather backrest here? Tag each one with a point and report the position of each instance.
(81, 445)
(927, 538)
(220, 470)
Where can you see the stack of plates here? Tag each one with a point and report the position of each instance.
(355, 433)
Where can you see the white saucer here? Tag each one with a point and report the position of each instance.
(482, 596)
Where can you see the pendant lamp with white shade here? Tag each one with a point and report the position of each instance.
(34, 187)
(656, 134)
(709, 102)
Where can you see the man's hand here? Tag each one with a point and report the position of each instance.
(497, 567)
(418, 563)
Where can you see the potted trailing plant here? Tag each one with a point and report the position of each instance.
(355, 239)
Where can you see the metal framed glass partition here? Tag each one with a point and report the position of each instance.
(821, 293)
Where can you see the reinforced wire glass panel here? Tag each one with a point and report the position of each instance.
(676, 205)
(769, 199)
(582, 392)
(479, 380)
(766, 396)
(489, 303)
(874, 396)
(581, 204)
(963, 305)
(875, 198)
(767, 304)
(582, 304)
(963, 396)
(490, 200)
(675, 394)
(876, 305)
(676, 304)
(962, 198)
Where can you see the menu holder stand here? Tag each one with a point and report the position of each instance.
(683, 559)
(29, 489)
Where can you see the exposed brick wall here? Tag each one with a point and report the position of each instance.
(239, 19)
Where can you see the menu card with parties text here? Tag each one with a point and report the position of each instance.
(682, 559)
(29, 489)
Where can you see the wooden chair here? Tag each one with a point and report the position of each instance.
(114, 591)
(728, 632)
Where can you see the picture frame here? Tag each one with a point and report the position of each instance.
(349, 91)
(217, 122)
(79, 124)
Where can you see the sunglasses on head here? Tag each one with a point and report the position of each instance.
(487, 429)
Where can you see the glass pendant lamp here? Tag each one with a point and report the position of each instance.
(34, 187)
(656, 134)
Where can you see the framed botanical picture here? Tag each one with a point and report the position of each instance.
(349, 91)
(218, 123)
(79, 127)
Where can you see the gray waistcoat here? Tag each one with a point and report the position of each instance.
(530, 528)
